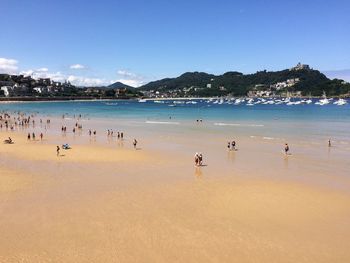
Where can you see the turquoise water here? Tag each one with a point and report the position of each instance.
(305, 120)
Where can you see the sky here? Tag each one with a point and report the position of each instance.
(134, 41)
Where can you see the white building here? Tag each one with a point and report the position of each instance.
(300, 66)
(6, 90)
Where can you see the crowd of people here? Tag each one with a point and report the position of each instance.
(22, 120)
(118, 134)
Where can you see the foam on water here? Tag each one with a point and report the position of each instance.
(163, 122)
(238, 124)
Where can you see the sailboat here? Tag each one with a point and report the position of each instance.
(323, 101)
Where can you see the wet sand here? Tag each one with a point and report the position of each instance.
(103, 201)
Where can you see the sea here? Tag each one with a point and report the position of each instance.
(265, 118)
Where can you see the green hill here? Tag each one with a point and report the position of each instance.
(306, 80)
(120, 85)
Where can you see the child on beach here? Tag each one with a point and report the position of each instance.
(58, 150)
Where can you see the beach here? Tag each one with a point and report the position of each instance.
(104, 201)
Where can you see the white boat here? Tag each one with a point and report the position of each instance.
(142, 100)
(238, 101)
(340, 102)
(308, 101)
(322, 102)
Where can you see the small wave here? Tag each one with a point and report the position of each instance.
(110, 103)
(268, 138)
(238, 124)
(162, 122)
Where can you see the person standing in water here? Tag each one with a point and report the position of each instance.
(329, 142)
(286, 149)
(135, 143)
(233, 145)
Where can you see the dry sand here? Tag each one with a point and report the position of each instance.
(105, 202)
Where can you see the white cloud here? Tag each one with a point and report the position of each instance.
(42, 70)
(8, 66)
(129, 78)
(82, 81)
(28, 72)
(125, 73)
(77, 66)
(43, 73)
(130, 82)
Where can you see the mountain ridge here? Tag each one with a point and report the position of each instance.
(300, 79)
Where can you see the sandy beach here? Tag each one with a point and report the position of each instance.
(103, 201)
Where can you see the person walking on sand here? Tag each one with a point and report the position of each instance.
(135, 143)
(200, 159)
(329, 142)
(33, 136)
(196, 159)
(41, 136)
(58, 150)
(229, 146)
(28, 136)
(286, 149)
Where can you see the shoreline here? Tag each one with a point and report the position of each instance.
(48, 99)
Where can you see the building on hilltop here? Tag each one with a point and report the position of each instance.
(300, 66)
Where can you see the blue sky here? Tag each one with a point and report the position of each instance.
(98, 42)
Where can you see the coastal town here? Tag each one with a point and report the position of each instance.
(298, 81)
